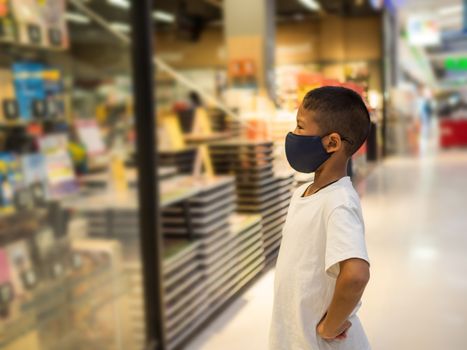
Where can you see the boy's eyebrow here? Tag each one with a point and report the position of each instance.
(299, 119)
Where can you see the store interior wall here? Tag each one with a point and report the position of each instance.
(328, 42)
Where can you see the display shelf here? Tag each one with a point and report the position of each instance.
(246, 230)
(195, 139)
(100, 180)
(17, 47)
(109, 212)
(229, 259)
(260, 199)
(21, 123)
(183, 286)
(218, 195)
(185, 328)
(176, 287)
(202, 225)
(210, 252)
(212, 247)
(179, 309)
(223, 255)
(183, 159)
(264, 207)
(172, 190)
(133, 272)
(234, 126)
(178, 252)
(181, 268)
(248, 150)
(210, 203)
(187, 294)
(260, 188)
(206, 212)
(218, 120)
(276, 214)
(271, 227)
(225, 200)
(210, 311)
(271, 240)
(175, 311)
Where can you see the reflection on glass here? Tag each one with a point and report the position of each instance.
(68, 213)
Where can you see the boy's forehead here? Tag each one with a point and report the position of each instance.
(300, 112)
(304, 114)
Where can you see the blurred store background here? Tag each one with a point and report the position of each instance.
(143, 184)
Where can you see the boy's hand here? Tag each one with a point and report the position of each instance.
(339, 335)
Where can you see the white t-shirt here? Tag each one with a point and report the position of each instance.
(321, 230)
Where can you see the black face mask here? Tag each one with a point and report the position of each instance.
(305, 153)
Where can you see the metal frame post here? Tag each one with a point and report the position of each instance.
(148, 189)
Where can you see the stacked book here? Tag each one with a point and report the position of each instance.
(183, 160)
(210, 253)
(185, 298)
(230, 254)
(234, 126)
(260, 189)
(184, 288)
(204, 213)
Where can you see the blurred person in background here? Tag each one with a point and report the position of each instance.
(424, 110)
(195, 99)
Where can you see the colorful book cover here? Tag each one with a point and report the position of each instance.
(5, 275)
(29, 22)
(60, 172)
(21, 266)
(4, 8)
(53, 17)
(53, 90)
(34, 168)
(11, 180)
(90, 135)
(29, 88)
(8, 106)
(7, 32)
(6, 286)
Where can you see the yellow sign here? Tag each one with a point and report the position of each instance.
(173, 131)
(118, 175)
(201, 123)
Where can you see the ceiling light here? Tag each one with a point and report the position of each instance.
(124, 4)
(163, 16)
(77, 18)
(313, 5)
(451, 10)
(121, 27)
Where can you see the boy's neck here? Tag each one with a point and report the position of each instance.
(330, 172)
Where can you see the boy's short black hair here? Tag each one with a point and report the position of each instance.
(341, 110)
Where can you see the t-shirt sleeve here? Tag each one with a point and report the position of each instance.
(345, 238)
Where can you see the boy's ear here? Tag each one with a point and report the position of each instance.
(333, 142)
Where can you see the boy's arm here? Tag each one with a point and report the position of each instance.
(351, 282)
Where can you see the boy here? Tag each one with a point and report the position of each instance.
(322, 268)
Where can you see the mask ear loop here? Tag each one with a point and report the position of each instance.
(347, 140)
(342, 138)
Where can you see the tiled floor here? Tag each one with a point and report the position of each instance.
(416, 218)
